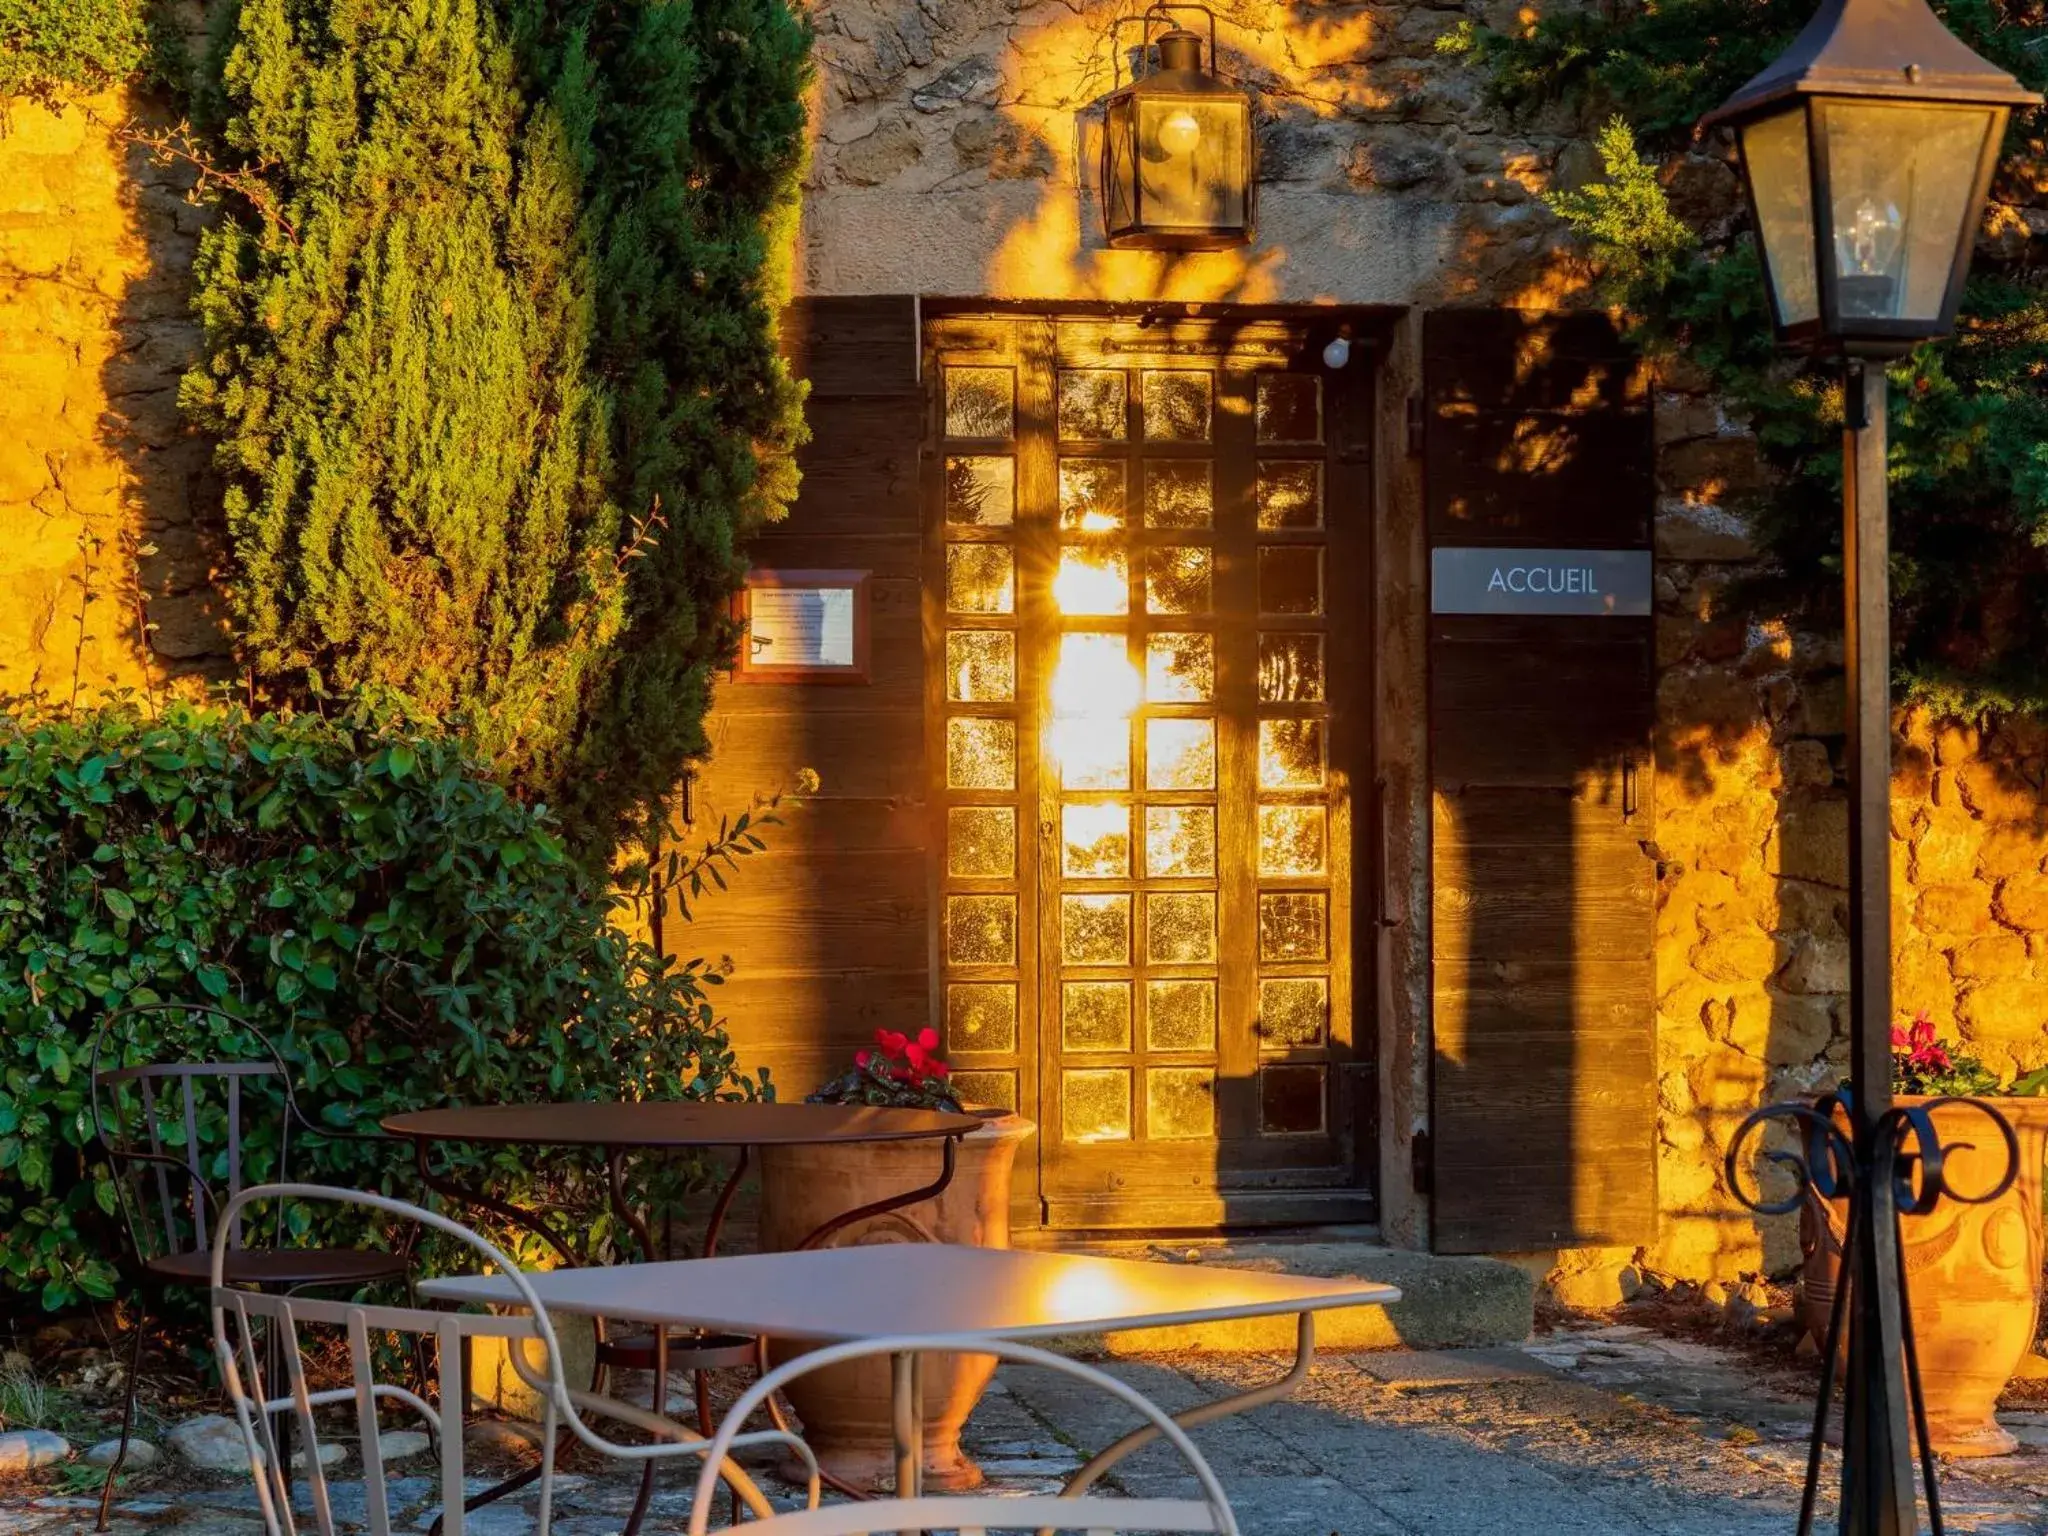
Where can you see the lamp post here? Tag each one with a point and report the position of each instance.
(1868, 147)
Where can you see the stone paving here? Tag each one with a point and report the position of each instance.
(1609, 1431)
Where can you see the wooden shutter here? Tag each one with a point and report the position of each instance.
(827, 931)
(1543, 915)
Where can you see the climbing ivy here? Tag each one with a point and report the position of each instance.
(1969, 416)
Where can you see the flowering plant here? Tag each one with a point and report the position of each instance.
(1922, 1062)
(901, 1072)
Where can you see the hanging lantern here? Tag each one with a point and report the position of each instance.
(1177, 151)
(1868, 147)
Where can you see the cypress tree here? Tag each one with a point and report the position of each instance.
(490, 357)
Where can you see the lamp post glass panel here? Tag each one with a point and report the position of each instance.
(1868, 147)
(1177, 155)
(1901, 182)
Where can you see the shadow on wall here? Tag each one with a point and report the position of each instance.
(104, 572)
(174, 542)
(1753, 839)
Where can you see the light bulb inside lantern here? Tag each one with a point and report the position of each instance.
(1180, 133)
(1869, 239)
(1867, 242)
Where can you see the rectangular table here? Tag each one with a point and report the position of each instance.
(837, 1295)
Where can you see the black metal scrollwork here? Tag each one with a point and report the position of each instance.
(1902, 1157)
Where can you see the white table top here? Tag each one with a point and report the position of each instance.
(840, 1294)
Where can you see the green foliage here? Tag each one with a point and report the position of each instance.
(1662, 64)
(50, 46)
(491, 358)
(1626, 217)
(1969, 416)
(361, 892)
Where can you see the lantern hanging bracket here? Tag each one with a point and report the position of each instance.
(1160, 10)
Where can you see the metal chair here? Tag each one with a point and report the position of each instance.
(286, 1316)
(176, 1132)
(1095, 1515)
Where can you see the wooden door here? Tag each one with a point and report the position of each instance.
(1145, 600)
(1544, 895)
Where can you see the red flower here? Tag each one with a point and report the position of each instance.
(928, 1038)
(862, 1058)
(890, 1041)
(915, 1054)
(938, 1069)
(1898, 1038)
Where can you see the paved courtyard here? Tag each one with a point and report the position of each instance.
(1599, 1432)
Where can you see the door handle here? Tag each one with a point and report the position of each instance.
(1629, 801)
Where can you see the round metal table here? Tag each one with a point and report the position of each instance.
(620, 1130)
(648, 1125)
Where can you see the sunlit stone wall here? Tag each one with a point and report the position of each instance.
(108, 512)
(956, 147)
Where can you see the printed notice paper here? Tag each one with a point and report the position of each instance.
(800, 626)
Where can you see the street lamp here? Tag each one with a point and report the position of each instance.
(1868, 147)
(1178, 158)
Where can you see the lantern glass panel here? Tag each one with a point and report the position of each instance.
(1781, 181)
(1900, 180)
(1119, 168)
(1192, 156)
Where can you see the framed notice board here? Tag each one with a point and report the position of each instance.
(804, 627)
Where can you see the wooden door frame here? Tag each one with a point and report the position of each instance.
(1354, 473)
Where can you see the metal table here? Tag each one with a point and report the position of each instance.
(621, 1130)
(837, 1295)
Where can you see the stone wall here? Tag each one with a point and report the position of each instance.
(957, 141)
(1752, 942)
(103, 535)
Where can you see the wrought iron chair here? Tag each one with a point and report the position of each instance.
(176, 1131)
(235, 1310)
(1044, 1514)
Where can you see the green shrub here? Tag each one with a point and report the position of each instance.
(50, 46)
(362, 892)
(491, 357)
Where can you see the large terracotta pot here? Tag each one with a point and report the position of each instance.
(1973, 1274)
(845, 1408)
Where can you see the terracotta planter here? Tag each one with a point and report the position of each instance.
(845, 1409)
(1973, 1275)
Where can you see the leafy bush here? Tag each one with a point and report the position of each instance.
(49, 46)
(490, 352)
(1969, 415)
(409, 933)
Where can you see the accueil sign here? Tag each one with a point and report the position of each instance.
(1598, 583)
